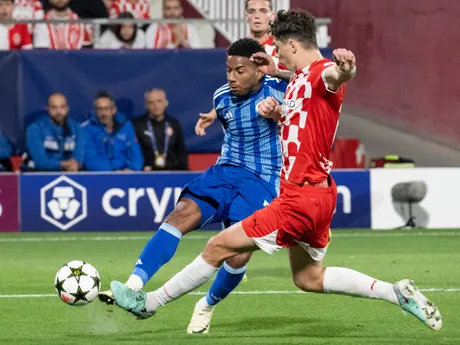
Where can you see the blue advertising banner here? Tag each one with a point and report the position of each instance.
(140, 201)
(353, 200)
(98, 202)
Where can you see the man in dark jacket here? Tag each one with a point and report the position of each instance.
(160, 135)
(53, 141)
(111, 143)
(6, 150)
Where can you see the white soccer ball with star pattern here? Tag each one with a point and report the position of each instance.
(77, 283)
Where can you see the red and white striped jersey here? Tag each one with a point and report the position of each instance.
(28, 9)
(15, 36)
(308, 124)
(61, 36)
(140, 10)
(270, 47)
(161, 36)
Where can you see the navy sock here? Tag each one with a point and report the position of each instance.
(157, 252)
(226, 281)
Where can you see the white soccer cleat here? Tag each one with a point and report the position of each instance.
(107, 297)
(413, 301)
(201, 318)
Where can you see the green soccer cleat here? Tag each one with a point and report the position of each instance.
(130, 300)
(413, 301)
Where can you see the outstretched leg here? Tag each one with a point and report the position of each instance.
(310, 275)
(228, 243)
(162, 246)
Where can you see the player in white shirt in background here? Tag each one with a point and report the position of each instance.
(172, 36)
(126, 36)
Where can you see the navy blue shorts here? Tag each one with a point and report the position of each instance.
(228, 194)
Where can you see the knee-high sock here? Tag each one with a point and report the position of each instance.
(187, 280)
(157, 252)
(226, 281)
(344, 281)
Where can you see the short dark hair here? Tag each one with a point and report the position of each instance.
(298, 25)
(245, 47)
(270, 4)
(104, 94)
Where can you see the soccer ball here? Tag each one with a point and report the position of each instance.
(77, 283)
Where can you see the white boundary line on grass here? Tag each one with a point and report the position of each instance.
(199, 293)
(203, 237)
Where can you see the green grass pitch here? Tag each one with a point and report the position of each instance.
(268, 313)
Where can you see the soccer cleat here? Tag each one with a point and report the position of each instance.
(106, 297)
(201, 318)
(130, 300)
(413, 301)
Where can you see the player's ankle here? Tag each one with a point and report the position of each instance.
(135, 282)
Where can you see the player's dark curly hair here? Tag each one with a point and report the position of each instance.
(245, 47)
(298, 25)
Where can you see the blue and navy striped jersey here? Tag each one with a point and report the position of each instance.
(250, 140)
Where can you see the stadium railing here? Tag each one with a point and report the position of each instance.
(97, 24)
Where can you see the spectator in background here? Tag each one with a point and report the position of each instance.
(28, 10)
(85, 8)
(12, 36)
(172, 36)
(6, 150)
(54, 142)
(140, 9)
(108, 5)
(61, 36)
(160, 135)
(111, 143)
(126, 36)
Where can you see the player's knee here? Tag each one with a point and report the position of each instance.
(215, 252)
(185, 217)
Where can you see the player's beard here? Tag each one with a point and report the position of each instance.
(60, 8)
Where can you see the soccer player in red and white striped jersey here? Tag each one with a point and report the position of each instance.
(140, 9)
(12, 36)
(61, 36)
(299, 219)
(259, 14)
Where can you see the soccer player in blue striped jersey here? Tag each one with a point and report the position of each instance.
(244, 179)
